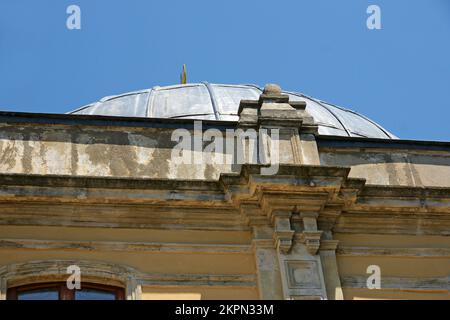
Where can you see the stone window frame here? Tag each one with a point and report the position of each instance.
(96, 272)
(64, 293)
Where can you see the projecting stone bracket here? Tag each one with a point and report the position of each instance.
(311, 239)
(310, 235)
(283, 233)
(283, 241)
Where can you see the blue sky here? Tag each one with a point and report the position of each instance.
(399, 76)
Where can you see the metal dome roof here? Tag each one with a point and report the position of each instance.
(207, 101)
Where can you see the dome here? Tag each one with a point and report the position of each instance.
(207, 101)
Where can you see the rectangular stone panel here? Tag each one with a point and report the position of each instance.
(303, 274)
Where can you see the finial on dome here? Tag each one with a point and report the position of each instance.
(183, 77)
(272, 88)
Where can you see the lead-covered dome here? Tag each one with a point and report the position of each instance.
(207, 101)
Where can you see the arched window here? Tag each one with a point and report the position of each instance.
(60, 291)
(46, 280)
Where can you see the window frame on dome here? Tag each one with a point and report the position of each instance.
(153, 113)
(352, 121)
(221, 106)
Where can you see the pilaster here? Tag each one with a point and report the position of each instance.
(3, 287)
(267, 266)
(330, 269)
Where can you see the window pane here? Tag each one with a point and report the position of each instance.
(44, 294)
(181, 101)
(133, 105)
(93, 294)
(228, 98)
(332, 131)
(357, 125)
(320, 114)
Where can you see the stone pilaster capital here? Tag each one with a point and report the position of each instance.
(283, 232)
(329, 245)
(314, 215)
(311, 239)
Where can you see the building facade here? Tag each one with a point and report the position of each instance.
(137, 194)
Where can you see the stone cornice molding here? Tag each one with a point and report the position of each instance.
(308, 189)
(235, 201)
(410, 284)
(174, 248)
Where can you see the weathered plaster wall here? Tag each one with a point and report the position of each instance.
(146, 153)
(198, 293)
(393, 167)
(90, 151)
(412, 267)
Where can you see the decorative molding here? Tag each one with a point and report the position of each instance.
(31, 244)
(400, 283)
(393, 222)
(426, 201)
(132, 215)
(252, 214)
(394, 252)
(210, 280)
(331, 245)
(306, 298)
(262, 243)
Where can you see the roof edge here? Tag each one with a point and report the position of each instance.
(141, 122)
